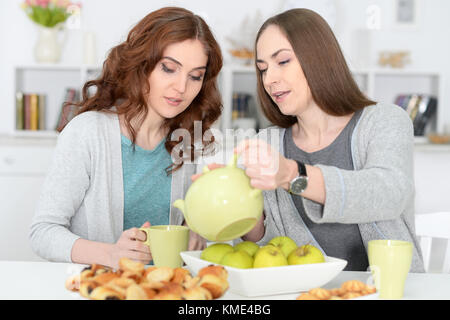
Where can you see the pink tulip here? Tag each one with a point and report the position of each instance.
(42, 3)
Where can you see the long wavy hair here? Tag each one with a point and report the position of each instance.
(329, 78)
(123, 86)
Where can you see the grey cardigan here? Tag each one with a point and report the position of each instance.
(82, 195)
(378, 195)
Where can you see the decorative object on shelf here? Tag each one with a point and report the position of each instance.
(406, 14)
(439, 138)
(421, 108)
(68, 110)
(394, 59)
(48, 47)
(242, 39)
(49, 16)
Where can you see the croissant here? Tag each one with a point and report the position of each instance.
(126, 264)
(170, 291)
(104, 278)
(196, 293)
(214, 284)
(86, 288)
(73, 283)
(103, 293)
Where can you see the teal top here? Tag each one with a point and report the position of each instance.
(146, 185)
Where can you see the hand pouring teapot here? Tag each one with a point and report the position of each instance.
(221, 205)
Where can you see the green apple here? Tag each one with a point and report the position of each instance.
(306, 254)
(215, 252)
(269, 256)
(286, 244)
(237, 259)
(248, 246)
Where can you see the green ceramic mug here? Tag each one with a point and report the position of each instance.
(166, 242)
(390, 261)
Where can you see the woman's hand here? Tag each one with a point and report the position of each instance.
(265, 166)
(196, 242)
(131, 245)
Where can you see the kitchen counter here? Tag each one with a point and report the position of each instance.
(46, 280)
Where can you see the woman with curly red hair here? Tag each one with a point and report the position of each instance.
(113, 168)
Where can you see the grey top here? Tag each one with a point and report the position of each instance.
(378, 194)
(341, 240)
(82, 195)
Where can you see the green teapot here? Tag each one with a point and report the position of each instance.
(221, 205)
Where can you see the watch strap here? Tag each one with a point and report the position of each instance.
(301, 168)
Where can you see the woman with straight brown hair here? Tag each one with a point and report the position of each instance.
(114, 167)
(337, 167)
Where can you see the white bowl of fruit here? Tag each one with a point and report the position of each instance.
(280, 267)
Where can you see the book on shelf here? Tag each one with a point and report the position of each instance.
(241, 108)
(421, 108)
(68, 110)
(30, 111)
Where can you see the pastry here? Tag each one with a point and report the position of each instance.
(126, 264)
(136, 292)
(170, 291)
(120, 285)
(351, 295)
(349, 290)
(105, 277)
(353, 286)
(320, 293)
(73, 283)
(307, 296)
(214, 284)
(103, 293)
(219, 271)
(132, 281)
(180, 275)
(196, 293)
(86, 288)
(160, 274)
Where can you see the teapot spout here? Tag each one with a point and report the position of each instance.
(179, 204)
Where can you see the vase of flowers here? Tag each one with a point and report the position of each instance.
(49, 16)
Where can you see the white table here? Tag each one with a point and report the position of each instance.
(45, 281)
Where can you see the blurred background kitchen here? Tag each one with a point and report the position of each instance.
(397, 49)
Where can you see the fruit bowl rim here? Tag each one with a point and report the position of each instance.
(291, 266)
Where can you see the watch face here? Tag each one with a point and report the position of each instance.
(299, 185)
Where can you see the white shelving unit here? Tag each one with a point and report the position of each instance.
(51, 80)
(379, 84)
(385, 84)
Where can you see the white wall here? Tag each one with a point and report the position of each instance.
(110, 20)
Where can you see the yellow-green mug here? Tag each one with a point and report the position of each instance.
(166, 242)
(390, 261)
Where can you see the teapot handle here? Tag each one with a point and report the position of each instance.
(233, 163)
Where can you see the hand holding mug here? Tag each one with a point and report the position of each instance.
(131, 245)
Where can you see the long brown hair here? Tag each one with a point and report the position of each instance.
(123, 82)
(329, 78)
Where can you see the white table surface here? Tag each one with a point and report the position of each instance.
(46, 280)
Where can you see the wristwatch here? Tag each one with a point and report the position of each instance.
(299, 183)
